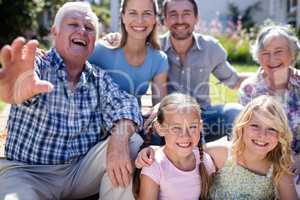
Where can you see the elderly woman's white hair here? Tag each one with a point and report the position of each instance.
(269, 32)
(75, 6)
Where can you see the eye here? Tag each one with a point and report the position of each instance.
(148, 13)
(254, 126)
(73, 24)
(272, 131)
(89, 28)
(176, 129)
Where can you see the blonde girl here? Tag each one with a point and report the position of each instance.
(255, 165)
(181, 170)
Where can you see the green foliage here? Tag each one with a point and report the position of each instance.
(2, 105)
(237, 47)
(21, 18)
(221, 94)
(236, 15)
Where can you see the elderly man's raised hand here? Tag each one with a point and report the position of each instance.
(18, 80)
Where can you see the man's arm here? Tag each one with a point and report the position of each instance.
(121, 115)
(242, 76)
(18, 80)
(119, 166)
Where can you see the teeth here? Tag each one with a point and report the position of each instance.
(260, 143)
(180, 27)
(139, 28)
(184, 144)
(80, 42)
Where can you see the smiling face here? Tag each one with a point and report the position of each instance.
(139, 18)
(259, 135)
(75, 37)
(181, 130)
(180, 19)
(275, 55)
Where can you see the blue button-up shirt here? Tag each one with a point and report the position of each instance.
(191, 76)
(61, 126)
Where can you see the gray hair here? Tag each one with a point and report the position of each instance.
(274, 31)
(75, 6)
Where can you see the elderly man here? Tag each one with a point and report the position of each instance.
(70, 129)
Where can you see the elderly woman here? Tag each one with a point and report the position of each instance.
(276, 50)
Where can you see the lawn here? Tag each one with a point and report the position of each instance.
(2, 105)
(219, 93)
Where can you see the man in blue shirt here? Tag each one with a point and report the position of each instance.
(70, 128)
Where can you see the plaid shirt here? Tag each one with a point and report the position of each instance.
(256, 86)
(60, 127)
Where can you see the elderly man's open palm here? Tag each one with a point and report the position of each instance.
(18, 80)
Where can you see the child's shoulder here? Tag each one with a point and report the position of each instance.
(218, 150)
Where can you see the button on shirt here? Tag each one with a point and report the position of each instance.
(61, 126)
(191, 76)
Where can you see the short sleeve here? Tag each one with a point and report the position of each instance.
(152, 172)
(209, 164)
(162, 63)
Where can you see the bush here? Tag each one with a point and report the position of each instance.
(238, 48)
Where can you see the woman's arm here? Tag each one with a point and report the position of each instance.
(148, 189)
(218, 150)
(286, 188)
(159, 87)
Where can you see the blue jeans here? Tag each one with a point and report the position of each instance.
(218, 120)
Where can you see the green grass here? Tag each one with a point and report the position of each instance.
(2, 105)
(220, 93)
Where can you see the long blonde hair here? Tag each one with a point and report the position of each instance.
(152, 38)
(281, 155)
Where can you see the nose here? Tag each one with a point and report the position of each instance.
(185, 132)
(179, 19)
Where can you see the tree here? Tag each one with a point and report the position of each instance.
(21, 18)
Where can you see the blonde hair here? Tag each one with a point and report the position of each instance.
(152, 38)
(281, 155)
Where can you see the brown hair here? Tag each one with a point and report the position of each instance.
(152, 38)
(165, 4)
(181, 100)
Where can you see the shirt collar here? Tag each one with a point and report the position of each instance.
(57, 63)
(196, 42)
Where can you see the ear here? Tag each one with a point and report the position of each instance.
(159, 129)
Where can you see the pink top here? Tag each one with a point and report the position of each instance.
(174, 183)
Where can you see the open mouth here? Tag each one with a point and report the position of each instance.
(260, 143)
(139, 28)
(184, 144)
(180, 26)
(274, 66)
(79, 42)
